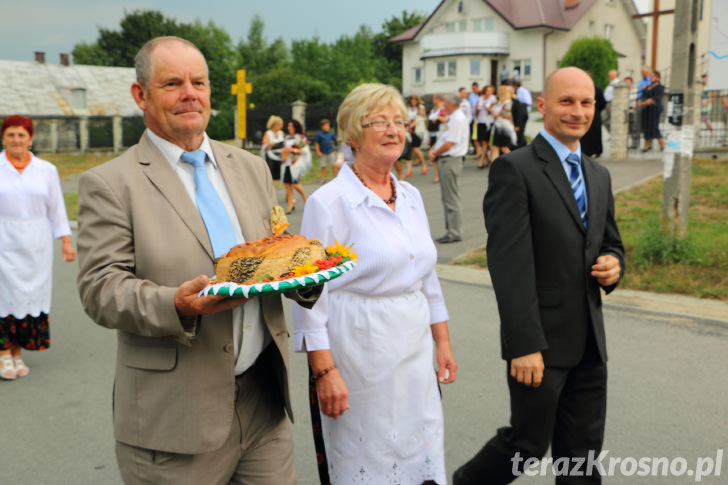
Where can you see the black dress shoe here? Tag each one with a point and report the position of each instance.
(449, 239)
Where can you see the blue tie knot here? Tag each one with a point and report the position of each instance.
(573, 158)
(196, 158)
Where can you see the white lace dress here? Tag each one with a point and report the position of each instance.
(376, 322)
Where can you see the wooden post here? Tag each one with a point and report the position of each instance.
(241, 89)
(679, 155)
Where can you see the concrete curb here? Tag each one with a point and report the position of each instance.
(629, 300)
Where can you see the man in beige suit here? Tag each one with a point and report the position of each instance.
(201, 386)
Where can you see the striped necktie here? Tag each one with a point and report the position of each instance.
(576, 180)
(213, 212)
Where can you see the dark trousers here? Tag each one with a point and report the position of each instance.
(567, 411)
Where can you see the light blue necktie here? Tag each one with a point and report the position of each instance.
(209, 203)
(576, 180)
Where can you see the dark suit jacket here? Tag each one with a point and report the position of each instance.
(141, 236)
(540, 255)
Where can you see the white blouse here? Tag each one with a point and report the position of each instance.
(36, 192)
(395, 251)
(484, 103)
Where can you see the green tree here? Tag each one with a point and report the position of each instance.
(90, 54)
(594, 55)
(390, 70)
(256, 55)
(283, 85)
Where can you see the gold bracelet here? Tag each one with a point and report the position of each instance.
(322, 373)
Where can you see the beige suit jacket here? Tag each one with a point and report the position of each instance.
(141, 236)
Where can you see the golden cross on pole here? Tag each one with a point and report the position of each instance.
(655, 14)
(241, 88)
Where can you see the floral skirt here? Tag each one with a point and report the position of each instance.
(31, 333)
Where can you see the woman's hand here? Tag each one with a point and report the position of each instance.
(67, 251)
(333, 396)
(447, 367)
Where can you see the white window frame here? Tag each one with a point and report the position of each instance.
(479, 64)
(523, 65)
(447, 67)
(609, 32)
(417, 72)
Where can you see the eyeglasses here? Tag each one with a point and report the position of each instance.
(381, 125)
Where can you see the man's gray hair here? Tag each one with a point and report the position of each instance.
(143, 60)
(452, 98)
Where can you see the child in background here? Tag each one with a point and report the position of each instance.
(325, 148)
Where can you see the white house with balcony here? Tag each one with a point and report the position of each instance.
(466, 41)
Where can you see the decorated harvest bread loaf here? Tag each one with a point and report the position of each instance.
(271, 257)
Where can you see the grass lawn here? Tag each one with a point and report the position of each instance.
(696, 266)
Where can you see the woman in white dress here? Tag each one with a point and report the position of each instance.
(504, 132)
(272, 145)
(296, 156)
(370, 336)
(416, 117)
(485, 119)
(32, 213)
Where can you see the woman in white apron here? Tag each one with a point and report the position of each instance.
(32, 214)
(370, 336)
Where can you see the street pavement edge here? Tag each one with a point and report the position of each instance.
(672, 305)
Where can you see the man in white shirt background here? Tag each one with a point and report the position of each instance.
(467, 108)
(609, 96)
(450, 151)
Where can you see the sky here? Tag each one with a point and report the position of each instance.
(56, 26)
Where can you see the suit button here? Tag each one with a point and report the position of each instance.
(228, 348)
(588, 244)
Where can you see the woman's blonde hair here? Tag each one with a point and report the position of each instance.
(362, 101)
(273, 120)
(504, 93)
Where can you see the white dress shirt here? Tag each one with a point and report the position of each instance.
(467, 110)
(456, 131)
(250, 335)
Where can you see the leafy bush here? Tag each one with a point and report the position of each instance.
(594, 55)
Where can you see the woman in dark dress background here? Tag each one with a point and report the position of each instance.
(651, 104)
(591, 142)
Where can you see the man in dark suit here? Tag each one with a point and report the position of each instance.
(552, 244)
(201, 387)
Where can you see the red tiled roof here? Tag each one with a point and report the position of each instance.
(523, 14)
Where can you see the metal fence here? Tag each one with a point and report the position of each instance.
(711, 134)
(257, 118)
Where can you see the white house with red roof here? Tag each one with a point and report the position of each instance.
(466, 41)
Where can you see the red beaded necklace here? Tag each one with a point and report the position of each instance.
(391, 184)
(19, 167)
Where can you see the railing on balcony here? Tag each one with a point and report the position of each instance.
(459, 43)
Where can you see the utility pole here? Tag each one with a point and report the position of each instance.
(679, 156)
